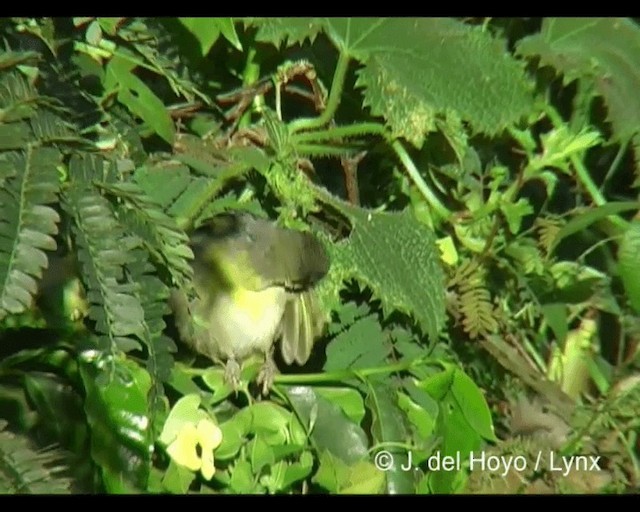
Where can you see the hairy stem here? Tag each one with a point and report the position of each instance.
(332, 104)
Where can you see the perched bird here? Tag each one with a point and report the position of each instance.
(254, 285)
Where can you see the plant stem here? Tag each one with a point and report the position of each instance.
(250, 75)
(414, 174)
(332, 104)
(339, 132)
(582, 173)
(616, 162)
(324, 150)
(341, 375)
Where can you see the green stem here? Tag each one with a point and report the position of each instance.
(250, 75)
(582, 173)
(323, 150)
(414, 174)
(340, 132)
(332, 103)
(342, 375)
(616, 162)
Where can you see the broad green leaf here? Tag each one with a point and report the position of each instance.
(605, 51)
(419, 417)
(348, 399)
(331, 429)
(629, 264)
(138, 98)
(463, 420)
(473, 405)
(204, 30)
(337, 477)
(556, 316)
(117, 413)
(583, 220)
(397, 257)
(207, 31)
(388, 426)
(177, 479)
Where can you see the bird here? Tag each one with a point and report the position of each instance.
(254, 284)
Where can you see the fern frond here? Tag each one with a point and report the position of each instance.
(162, 238)
(51, 128)
(474, 301)
(25, 470)
(548, 228)
(17, 98)
(27, 224)
(103, 249)
(153, 294)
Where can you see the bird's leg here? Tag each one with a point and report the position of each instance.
(232, 373)
(267, 373)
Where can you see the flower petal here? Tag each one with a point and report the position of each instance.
(183, 449)
(209, 435)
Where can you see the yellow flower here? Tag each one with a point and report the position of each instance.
(183, 450)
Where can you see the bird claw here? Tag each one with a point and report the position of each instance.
(267, 375)
(232, 374)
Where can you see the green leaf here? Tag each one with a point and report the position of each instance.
(285, 30)
(556, 317)
(388, 426)
(629, 264)
(463, 420)
(138, 98)
(419, 69)
(348, 399)
(359, 346)
(605, 51)
(116, 407)
(207, 31)
(338, 477)
(583, 220)
(26, 470)
(331, 429)
(27, 225)
(398, 258)
(473, 405)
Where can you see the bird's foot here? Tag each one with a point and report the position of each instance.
(267, 374)
(232, 374)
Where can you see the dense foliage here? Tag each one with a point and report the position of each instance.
(475, 184)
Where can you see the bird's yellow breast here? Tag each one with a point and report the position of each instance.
(243, 321)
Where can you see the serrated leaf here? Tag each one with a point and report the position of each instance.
(605, 51)
(417, 69)
(629, 264)
(398, 258)
(288, 30)
(116, 407)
